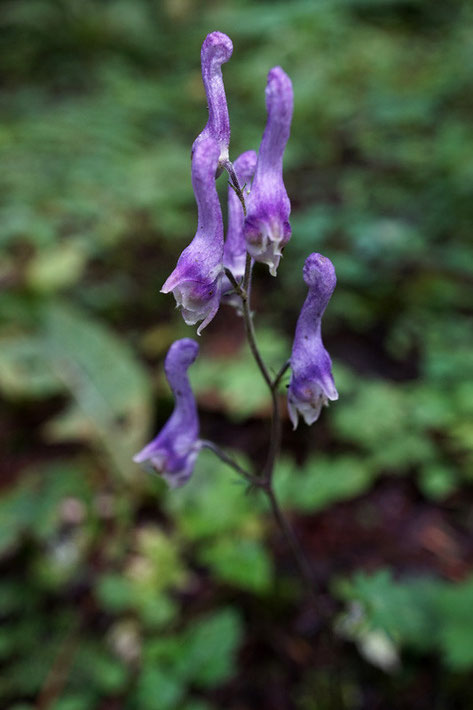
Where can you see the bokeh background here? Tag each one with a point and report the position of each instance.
(116, 593)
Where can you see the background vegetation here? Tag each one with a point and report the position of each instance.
(116, 593)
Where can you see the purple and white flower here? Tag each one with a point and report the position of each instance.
(312, 385)
(196, 282)
(173, 452)
(267, 228)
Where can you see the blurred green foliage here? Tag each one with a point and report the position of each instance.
(128, 589)
(422, 614)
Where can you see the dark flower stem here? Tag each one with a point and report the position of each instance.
(281, 374)
(293, 542)
(264, 481)
(229, 460)
(266, 478)
(234, 183)
(282, 521)
(249, 326)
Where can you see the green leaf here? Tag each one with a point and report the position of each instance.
(321, 481)
(156, 611)
(424, 614)
(209, 647)
(96, 667)
(74, 702)
(381, 418)
(243, 563)
(235, 383)
(17, 509)
(58, 267)
(455, 630)
(156, 687)
(57, 482)
(110, 390)
(438, 481)
(114, 592)
(203, 654)
(23, 370)
(213, 502)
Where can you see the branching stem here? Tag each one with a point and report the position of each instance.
(264, 481)
(233, 281)
(281, 374)
(235, 184)
(229, 461)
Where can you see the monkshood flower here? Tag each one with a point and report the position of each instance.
(312, 384)
(196, 282)
(267, 229)
(173, 452)
(216, 50)
(234, 252)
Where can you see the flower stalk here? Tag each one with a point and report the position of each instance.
(265, 480)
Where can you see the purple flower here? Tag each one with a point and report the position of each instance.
(196, 282)
(267, 229)
(216, 50)
(234, 252)
(312, 384)
(174, 451)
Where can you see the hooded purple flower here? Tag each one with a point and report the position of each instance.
(267, 229)
(216, 50)
(174, 451)
(234, 252)
(312, 383)
(196, 282)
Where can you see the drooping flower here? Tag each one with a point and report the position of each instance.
(312, 384)
(267, 228)
(173, 452)
(196, 282)
(234, 252)
(216, 50)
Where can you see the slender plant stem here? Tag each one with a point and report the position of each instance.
(235, 184)
(281, 374)
(249, 327)
(233, 281)
(275, 438)
(293, 542)
(265, 480)
(228, 460)
(280, 518)
(247, 276)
